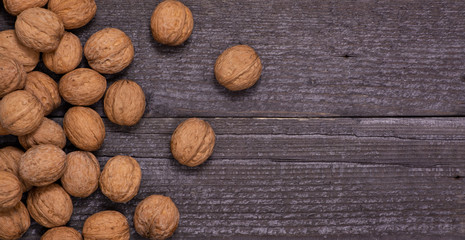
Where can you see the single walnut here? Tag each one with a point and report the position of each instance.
(11, 47)
(192, 142)
(109, 51)
(106, 225)
(12, 75)
(124, 103)
(66, 57)
(9, 161)
(61, 233)
(15, 7)
(49, 132)
(50, 206)
(171, 23)
(238, 68)
(74, 13)
(39, 29)
(20, 113)
(156, 217)
(14, 222)
(81, 174)
(10, 190)
(45, 89)
(82, 87)
(120, 179)
(42, 165)
(84, 128)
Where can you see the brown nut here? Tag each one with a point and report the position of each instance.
(66, 57)
(39, 29)
(156, 217)
(45, 89)
(20, 113)
(11, 47)
(61, 233)
(124, 103)
(12, 75)
(84, 128)
(192, 142)
(82, 87)
(15, 7)
(14, 222)
(109, 51)
(10, 190)
(81, 174)
(9, 161)
(42, 165)
(74, 13)
(106, 225)
(238, 68)
(171, 23)
(49, 132)
(50, 206)
(120, 179)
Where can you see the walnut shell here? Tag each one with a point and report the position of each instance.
(20, 113)
(50, 206)
(49, 132)
(120, 179)
(109, 51)
(61, 233)
(45, 89)
(74, 13)
(238, 68)
(12, 75)
(156, 217)
(82, 87)
(106, 225)
(192, 142)
(124, 103)
(66, 57)
(81, 174)
(84, 128)
(14, 222)
(9, 161)
(10, 190)
(39, 29)
(171, 23)
(11, 47)
(42, 165)
(15, 7)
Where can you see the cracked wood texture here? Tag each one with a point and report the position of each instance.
(354, 131)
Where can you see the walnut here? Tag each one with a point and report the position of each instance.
(39, 29)
(156, 217)
(49, 132)
(109, 51)
(192, 142)
(15, 7)
(82, 87)
(171, 23)
(10, 190)
(106, 225)
(20, 113)
(66, 57)
(11, 47)
(42, 165)
(50, 206)
(74, 13)
(84, 128)
(45, 89)
(12, 75)
(9, 161)
(120, 179)
(61, 233)
(124, 103)
(81, 174)
(14, 222)
(238, 68)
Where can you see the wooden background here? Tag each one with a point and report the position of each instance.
(356, 129)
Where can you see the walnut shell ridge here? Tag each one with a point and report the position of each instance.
(84, 128)
(45, 89)
(14, 221)
(106, 225)
(66, 57)
(82, 87)
(15, 7)
(61, 233)
(74, 13)
(49, 132)
(81, 175)
(9, 161)
(10, 190)
(124, 103)
(11, 47)
(12, 75)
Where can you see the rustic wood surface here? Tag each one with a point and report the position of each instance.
(356, 129)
